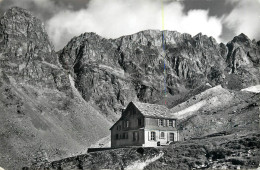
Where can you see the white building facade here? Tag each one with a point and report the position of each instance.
(143, 124)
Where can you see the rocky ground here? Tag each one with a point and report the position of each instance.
(217, 151)
(111, 159)
(212, 152)
(216, 110)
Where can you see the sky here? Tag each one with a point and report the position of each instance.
(221, 19)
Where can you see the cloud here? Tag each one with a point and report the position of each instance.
(244, 18)
(198, 21)
(43, 9)
(116, 18)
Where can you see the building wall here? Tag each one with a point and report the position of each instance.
(152, 123)
(163, 141)
(131, 114)
(129, 141)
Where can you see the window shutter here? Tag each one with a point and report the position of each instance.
(158, 122)
(149, 136)
(164, 123)
(167, 122)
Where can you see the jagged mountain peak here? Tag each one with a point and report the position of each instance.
(18, 11)
(241, 37)
(18, 24)
(242, 52)
(26, 52)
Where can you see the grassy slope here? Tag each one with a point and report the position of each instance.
(44, 123)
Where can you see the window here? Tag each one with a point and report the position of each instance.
(116, 136)
(161, 122)
(139, 122)
(172, 123)
(119, 127)
(135, 136)
(125, 135)
(133, 112)
(162, 135)
(125, 124)
(152, 135)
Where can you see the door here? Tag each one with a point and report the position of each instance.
(171, 137)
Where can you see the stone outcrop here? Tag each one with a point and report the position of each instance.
(243, 62)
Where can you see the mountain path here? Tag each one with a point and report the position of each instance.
(139, 165)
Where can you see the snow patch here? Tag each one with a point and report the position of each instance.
(254, 89)
(76, 93)
(185, 112)
(117, 72)
(207, 84)
(51, 65)
(207, 100)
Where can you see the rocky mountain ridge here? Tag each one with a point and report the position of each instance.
(111, 72)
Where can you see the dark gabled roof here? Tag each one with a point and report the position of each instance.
(150, 110)
(153, 110)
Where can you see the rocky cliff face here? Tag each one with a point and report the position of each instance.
(42, 115)
(111, 72)
(243, 62)
(26, 52)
